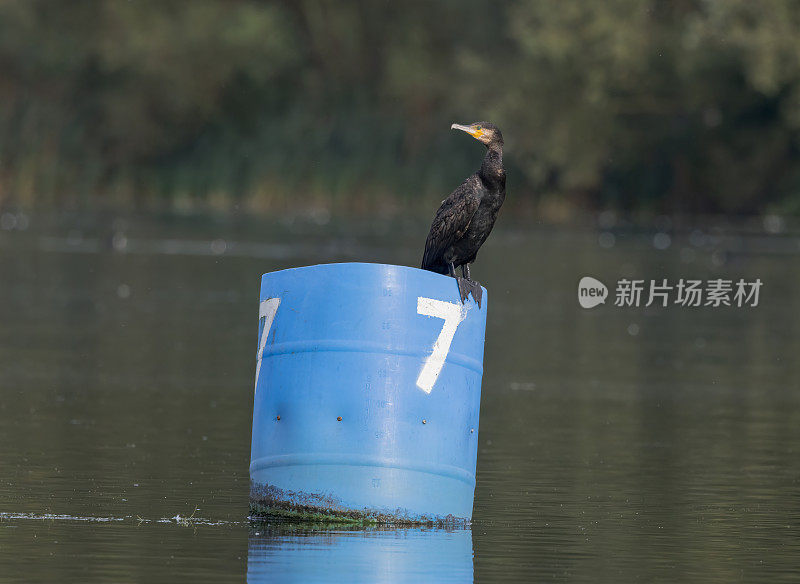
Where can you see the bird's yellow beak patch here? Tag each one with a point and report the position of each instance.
(474, 130)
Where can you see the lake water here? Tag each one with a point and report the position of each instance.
(616, 444)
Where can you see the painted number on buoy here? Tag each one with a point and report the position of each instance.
(267, 311)
(452, 314)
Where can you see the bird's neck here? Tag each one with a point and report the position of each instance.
(492, 171)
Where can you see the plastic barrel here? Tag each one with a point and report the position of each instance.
(367, 395)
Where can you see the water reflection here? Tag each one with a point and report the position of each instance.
(292, 552)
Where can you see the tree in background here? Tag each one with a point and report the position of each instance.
(654, 106)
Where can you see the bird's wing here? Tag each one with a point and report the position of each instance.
(450, 222)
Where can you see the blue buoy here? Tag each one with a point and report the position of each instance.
(367, 395)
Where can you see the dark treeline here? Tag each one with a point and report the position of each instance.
(652, 106)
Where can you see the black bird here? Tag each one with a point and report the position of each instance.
(467, 216)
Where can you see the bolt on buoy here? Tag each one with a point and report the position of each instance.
(278, 418)
(472, 430)
(424, 421)
(338, 418)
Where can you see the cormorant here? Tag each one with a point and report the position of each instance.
(466, 217)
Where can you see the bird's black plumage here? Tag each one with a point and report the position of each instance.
(466, 217)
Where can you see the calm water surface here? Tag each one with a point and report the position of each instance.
(635, 444)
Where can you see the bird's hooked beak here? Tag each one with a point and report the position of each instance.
(471, 130)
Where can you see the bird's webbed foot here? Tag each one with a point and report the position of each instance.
(467, 287)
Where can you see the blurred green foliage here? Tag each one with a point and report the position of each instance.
(683, 106)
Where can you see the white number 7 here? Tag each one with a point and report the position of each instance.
(452, 314)
(267, 311)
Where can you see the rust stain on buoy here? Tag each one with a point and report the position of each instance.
(278, 418)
